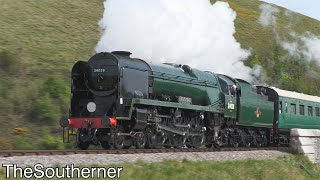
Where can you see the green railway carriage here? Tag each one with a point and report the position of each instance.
(297, 110)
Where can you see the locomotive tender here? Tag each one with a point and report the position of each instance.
(118, 102)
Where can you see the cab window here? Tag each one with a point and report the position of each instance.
(224, 86)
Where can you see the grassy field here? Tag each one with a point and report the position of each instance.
(294, 167)
(283, 168)
(39, 43)
(49, 36)
(41, 40)
(279, 68)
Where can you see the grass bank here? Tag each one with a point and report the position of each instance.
(289, 167)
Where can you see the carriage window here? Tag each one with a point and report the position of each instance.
(317, 111)
(280, 107)
(293, 109)
(301, 109)
(310, 111)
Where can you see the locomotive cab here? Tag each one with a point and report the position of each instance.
(230, 93)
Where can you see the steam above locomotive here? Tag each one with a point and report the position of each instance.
(118, 102)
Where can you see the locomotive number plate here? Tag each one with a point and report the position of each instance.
(230, 106)
(184, 100)
(99, 70)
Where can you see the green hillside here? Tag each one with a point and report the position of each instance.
(40, 41)
(279, 68)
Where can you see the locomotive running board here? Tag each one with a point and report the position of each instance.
(176, 105)
(150, 102)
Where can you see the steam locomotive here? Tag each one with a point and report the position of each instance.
(118, 102)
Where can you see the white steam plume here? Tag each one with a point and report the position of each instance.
(192, 32)
(306, 45)
(312, 47)
(259, 76)
(268, 15)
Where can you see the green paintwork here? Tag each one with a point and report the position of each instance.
(202, 87)
(255, 109)
(230, 106)
(287, 119)
(176, 105)
(150, 102)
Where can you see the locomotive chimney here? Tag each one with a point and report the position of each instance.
(122, 53)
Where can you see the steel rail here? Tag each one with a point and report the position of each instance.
(11, 153)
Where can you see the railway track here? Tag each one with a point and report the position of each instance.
(10, 153)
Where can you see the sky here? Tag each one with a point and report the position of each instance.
(309, 8)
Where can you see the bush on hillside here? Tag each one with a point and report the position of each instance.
(22, 143)
(44, 110)
(58, 91)
(8, 63)
(5, 144)
(50, 142)
(56, 88)
(20, 131)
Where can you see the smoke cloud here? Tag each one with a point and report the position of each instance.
(258, 75)
(312, 47)
(304, 46)
(268, 15)
(192, 32)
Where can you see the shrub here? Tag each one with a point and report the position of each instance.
(9, 63)
(21, 143)
(56, 88)
(45, 111)
(20, 131)
(50, 142)
(5, 144)
(58, 91)
(6, 84)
